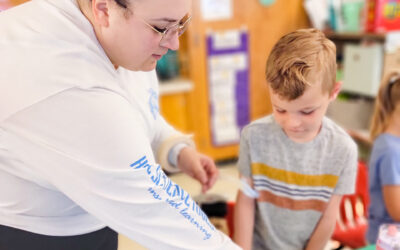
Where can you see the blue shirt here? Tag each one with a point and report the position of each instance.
(384, 170)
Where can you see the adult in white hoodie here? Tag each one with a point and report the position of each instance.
(80, 131)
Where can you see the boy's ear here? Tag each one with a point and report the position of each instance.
(100, 9)
(336, 90)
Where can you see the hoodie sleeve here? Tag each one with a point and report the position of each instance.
(82, 143)
(166, 138)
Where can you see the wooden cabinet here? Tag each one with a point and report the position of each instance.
(173, 102)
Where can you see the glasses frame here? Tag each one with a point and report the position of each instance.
(181, 28)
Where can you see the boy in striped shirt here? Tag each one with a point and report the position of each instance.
(299, 161)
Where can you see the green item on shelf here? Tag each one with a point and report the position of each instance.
(351, 15)
(339, 75)
(267, 2)
(343, 97)
(168, 66)
(369, 247)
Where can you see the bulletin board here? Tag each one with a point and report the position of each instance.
(228, 84)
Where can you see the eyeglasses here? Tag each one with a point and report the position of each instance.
(170, 32)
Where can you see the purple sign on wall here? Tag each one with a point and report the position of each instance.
(228, 82)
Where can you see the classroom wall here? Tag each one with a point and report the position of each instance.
(265, 24)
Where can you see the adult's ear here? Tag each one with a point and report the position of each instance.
(100, 10)
(336, 90)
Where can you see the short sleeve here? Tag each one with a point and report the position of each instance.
(389, 169)
(347, 177)
(244, 162)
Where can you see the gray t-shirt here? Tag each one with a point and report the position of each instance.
(295, 180)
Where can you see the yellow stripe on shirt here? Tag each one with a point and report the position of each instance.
(289, 177)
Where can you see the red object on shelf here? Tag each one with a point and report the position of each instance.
(383, 15)
(352, 223)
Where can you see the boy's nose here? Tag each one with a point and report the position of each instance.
(293, 122)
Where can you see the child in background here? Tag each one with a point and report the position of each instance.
(300, 162)
(384, 165)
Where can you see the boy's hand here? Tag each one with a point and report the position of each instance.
(198, 166)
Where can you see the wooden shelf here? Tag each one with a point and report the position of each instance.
(356, 36)
(174, 96)
(175, 86)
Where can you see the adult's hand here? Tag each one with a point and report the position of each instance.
(198, 166)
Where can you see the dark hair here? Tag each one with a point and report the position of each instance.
(122, 3)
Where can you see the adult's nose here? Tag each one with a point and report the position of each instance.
(171, 41)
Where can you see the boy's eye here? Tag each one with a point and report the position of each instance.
(280, 111)
(307, 112)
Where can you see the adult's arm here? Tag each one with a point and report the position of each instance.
(93, 147)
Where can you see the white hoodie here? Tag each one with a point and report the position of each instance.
(78, 138)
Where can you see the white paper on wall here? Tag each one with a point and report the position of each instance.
(317, 11)
(214, 10)
(392, 43)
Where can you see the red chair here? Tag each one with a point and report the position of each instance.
(352, 221)
(229, 217)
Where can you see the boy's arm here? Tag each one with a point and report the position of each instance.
(392, 203)
(326, 224)
(244, 219)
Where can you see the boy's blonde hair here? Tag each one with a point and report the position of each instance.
(301, 58)
(385, 104)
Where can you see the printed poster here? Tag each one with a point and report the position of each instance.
(228, 82)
